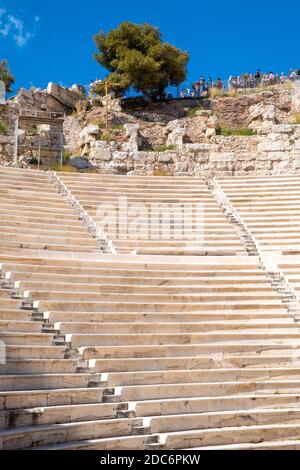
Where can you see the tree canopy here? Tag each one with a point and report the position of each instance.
(136, 56)
(6, 76)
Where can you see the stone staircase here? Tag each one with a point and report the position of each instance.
(119, 351)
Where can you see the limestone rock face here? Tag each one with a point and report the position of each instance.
(134, 139)
(261, 113)
(176, 133)
(89, 134)
(100, 151)
(296, 98)
(210, 132)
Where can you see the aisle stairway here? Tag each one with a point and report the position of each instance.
(143, 352)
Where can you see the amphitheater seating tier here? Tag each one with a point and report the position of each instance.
(149, 351)
(207, 231)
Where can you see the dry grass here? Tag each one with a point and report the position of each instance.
(80, 106)
(161, 172)
(296, 119)
(65, 168)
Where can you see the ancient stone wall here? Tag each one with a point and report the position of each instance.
(180, 137)
(68, 98)
(8, 115)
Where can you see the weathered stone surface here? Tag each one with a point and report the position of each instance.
(166, 157)
(88, 134)
(80, 163)
(176, 133)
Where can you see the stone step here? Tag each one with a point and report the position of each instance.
(38, 366)
(19, 326)
(21, 382)
(224, 374)
(17, 315)
(185, 406)
(47, 238)
(34, 200)
(159, 327)
(27, 437)
(22, 338)
(213, 341)
(141, 317)
(60, 414)
(183, 251)
(210, 389)
(81, 306)
(52, 398)
(35, 352)
(15, 245)
(92, 178)
(30, 219)
(226, 435)
(43, 212)
(278, 357)
(111, 273)
(239, 417)
(128, 279)
(160, 290)
(118, 443)
(277, 444)
(11, 226)
(100, 185)
(4, 294)
(145, 300)
(188, 246)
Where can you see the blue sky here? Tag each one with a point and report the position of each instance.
(51, 40)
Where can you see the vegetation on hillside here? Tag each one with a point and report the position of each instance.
(6, 76)
(227, 131)
(137, 58)
(3, 128)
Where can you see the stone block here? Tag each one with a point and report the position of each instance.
(269, 146)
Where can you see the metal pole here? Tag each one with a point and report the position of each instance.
(39, 157)
(16, 137)
(61, 151)
(106, 106)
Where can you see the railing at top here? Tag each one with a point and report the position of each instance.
(41, 114)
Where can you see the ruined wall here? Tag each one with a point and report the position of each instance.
(180, 137)
(236, 111)
(8, 114)
(273, 153)
(65, 96)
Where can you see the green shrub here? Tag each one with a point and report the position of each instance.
(108, 136)
(67, 155)
(3, 128)
(193, 111)
(227, 131)
(114, 131)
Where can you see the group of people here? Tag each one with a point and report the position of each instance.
(258, 79)
(201, 88)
